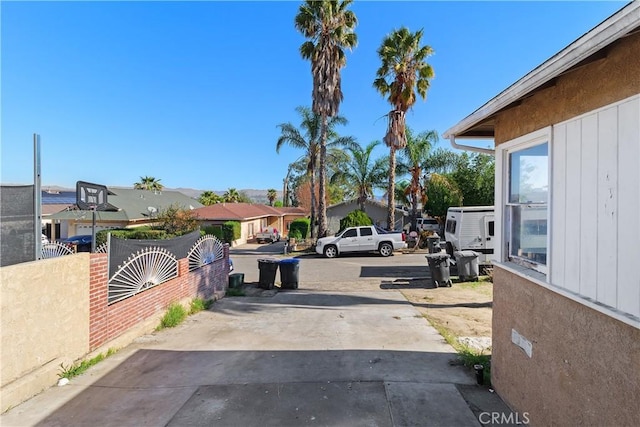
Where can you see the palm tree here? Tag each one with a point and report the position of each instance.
(271, 195)
(404, 71)
(309, 140)
(148, 183)
(414, 155)
(231, 196)
(329, 28)
(363, 173)
(208, 198)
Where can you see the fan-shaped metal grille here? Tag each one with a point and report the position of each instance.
(103, 248)
(54, 250)
(206, 250)
(143, 270)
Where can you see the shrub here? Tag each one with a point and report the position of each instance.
(299, 228)
(177, 220)
(355, 219)
(131, 233)
(215, 230)
(230, 231)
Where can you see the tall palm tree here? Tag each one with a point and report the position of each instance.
(414, 155)
(231, 196)
(403, 75)
(363, 173)
(307, 138)
(271, 195)
(329, 28)
(148, 183)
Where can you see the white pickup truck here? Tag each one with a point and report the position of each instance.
(361, 239)
(268, 234)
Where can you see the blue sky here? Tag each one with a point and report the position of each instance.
(192, 92)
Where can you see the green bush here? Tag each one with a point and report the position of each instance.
(355, 219)
(215, 230)
(299, 228)
(230, 231)
(132, 233)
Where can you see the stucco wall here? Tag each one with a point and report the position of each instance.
(45, 322)
(585, 366)
(587, 88)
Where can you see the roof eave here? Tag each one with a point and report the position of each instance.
(613, 28)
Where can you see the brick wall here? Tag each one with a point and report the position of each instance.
(107, 322)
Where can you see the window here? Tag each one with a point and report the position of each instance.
(365, 231)
(526, 206)
(492, 227)
(451, 226)
(351, 233)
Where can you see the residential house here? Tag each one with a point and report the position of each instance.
(252, 217)
(126, 208)
(566, 309)
(377, 212)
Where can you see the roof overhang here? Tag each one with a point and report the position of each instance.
(588, 48)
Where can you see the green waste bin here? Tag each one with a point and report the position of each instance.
(439, 268)
(289, 269)
(236, 280)
(268, 268)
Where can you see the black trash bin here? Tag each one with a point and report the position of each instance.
(268, 268)
(439, 268)
(289, 269)
(433, 244)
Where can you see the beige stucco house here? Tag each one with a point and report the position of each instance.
(252, 218)
(566, 311)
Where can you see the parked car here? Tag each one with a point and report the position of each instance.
(361, 239)
(268, 234)
(82, 242)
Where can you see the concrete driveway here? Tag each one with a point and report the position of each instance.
(342, 350)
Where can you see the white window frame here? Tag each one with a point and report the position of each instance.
(503, 234)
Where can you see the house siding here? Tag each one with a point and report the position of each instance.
(592, 86)
(584, 368)
(583, 325)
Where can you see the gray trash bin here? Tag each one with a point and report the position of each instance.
(268, 268)
(289, 269)
(433, 244)
(439, 268)
(467, 264)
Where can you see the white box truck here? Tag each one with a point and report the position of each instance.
(471, 228)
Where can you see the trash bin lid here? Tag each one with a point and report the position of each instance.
(268, 260)
(437, 256)
(465, 254)
(289, 261)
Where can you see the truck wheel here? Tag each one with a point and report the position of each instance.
(386, 249)
(331, 251)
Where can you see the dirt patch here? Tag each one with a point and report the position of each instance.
(464, 309)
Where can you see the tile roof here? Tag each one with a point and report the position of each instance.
(242, 211)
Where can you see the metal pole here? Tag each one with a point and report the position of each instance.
(93, 230)
(37, 197)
